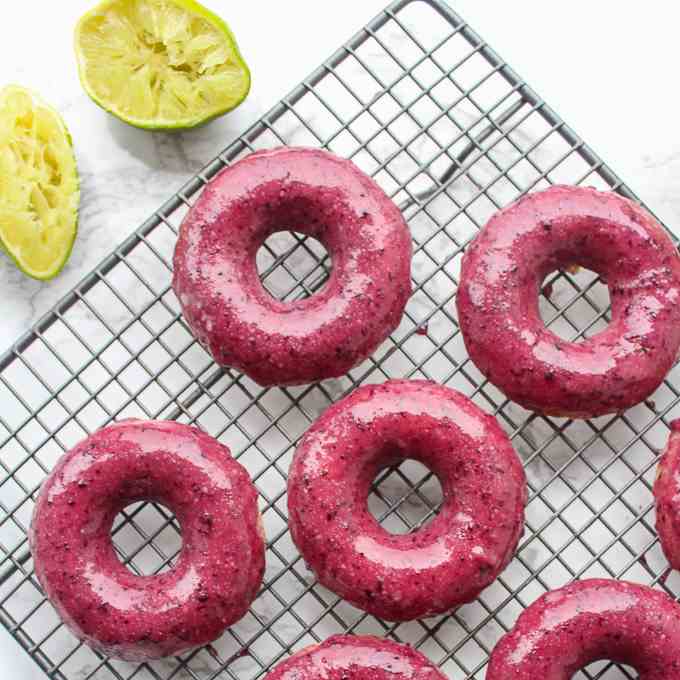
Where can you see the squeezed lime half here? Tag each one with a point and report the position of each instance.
(160, 64)
(39, 186)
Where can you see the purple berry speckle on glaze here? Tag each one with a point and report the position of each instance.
(346, 657)
(442, 565)
(220, 566)
(503, 270)
(325, 335)
(667, 497)
(586, 621)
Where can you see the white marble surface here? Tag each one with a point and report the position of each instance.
(606, 67)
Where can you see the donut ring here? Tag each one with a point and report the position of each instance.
(219, 569)
(315, 193)
(346, 657)
(497, 302)
(587, 621)
(440, 566)
(667, 497)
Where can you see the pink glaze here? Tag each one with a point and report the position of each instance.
(503, 270)
(445, 563)
(567, 629)
(219, 569)
(345, 657)
(315, 193)
(667, 497)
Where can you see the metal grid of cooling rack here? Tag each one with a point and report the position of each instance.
(422, 104)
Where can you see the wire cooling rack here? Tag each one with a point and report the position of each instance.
(426, 107)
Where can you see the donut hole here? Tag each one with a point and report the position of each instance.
(574, 304)
(292, 266)
(147, 538)
(604, 670)
(405, 497)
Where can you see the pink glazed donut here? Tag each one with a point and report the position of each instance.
(219, 569)
(345, 657)
(445, 563)
(323, 336)
(503, 270)
(667, 497)
(587, 621)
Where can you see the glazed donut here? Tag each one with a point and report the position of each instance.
(221, 563)
(323, 336)
(667, 497)
(502, 272)
(445, 563)
(346, 657)
(587, 621)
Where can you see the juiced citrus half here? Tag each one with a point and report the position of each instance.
(160, 64)
(39, 188)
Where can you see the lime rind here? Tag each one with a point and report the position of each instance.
(160, 64)
(40, 186)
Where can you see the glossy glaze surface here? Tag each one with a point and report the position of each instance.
(503, 270)
(315, 193)
(667, 497)
(448, 561)
(220, 567)
(567, 629)
(346, 657)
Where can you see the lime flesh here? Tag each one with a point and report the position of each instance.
(39, 188)
(160, 64)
